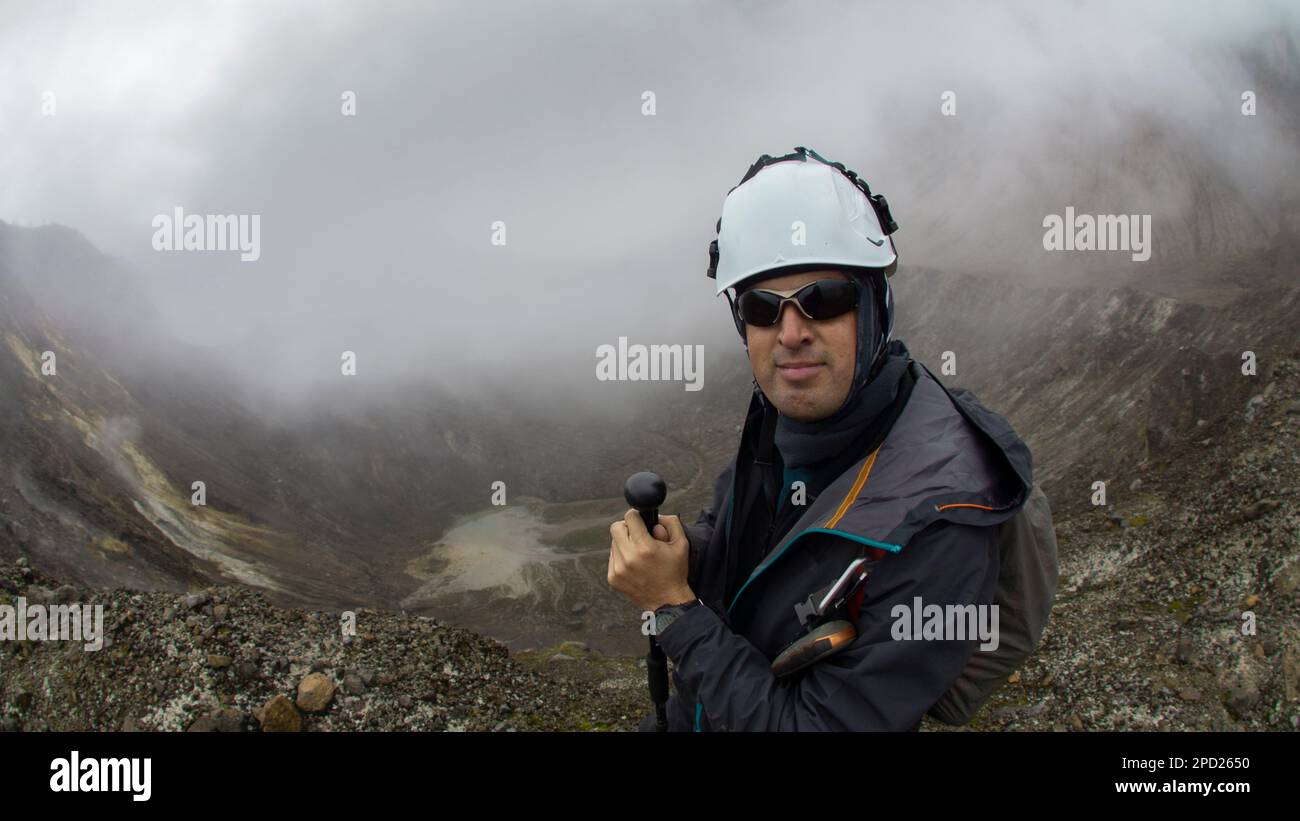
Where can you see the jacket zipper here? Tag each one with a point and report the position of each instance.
(892, 548)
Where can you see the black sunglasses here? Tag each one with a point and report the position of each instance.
(822, 299)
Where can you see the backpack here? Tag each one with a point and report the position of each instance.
(1026, 588)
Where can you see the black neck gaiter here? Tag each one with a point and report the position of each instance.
(803, 444)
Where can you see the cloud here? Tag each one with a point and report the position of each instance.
(376, 228)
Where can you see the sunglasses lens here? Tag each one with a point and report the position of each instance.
(827, 298)
(758, 307)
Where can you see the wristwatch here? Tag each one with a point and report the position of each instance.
(669, 613)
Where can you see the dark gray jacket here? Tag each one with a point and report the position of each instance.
(926, 507)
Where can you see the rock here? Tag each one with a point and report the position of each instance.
(131, 725)
(220, 612)
(23, 700)
(574, 647)
(228, 720)
(1241, 698)
(1076, 722)
(246, 670)
(19, 532)
(1291, 672)
(367, 677)
(1015, 678)
(21, 561)
(1189, 694)
(579, 608)
(1252, 406)
(1259, 509)
(1252, 600)
(353, 684)
(1287, 580)
(1293, 409)
(404, 701)
(1183, 649)
(561, 657)
(65, 594)
(315, 693)
(1135, 485)
(279, 716)
(196, 600)
(219, 662)
(202, 724)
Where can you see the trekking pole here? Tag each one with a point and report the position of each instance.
(645, 492)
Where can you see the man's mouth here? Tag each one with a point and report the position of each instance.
(799, 371)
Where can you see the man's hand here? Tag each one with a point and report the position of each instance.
(651, 572)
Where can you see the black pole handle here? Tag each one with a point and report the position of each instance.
(645, 492)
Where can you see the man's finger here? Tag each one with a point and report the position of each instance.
(674, 526)
(619, 543)
(615, 564)
(618, 531)
(635, 524)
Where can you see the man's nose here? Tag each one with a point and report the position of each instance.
(795, 328)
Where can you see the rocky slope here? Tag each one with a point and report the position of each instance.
(225, 659)
(1151, 628)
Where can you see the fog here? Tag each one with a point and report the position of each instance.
(376, 229)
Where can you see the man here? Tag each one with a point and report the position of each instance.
(850, 450)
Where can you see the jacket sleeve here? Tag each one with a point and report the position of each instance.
(699, 534)
(877, 683)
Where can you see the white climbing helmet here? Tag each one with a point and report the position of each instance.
(800, 197)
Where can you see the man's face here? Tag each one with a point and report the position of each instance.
(804, 366)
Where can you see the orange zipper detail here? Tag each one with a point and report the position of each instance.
(853, 491)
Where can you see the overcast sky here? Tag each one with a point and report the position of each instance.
(376, 229)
